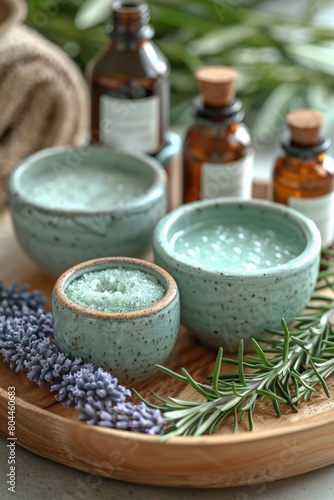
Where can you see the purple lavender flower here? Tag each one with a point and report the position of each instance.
(26, 343)
(22, 338)
(50, 365)
(125, 416)
(89, 384)
(15, 300)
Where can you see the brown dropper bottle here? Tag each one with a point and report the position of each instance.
(303, 177)
(129, 84)
(217, 157)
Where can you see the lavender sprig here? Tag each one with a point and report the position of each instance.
(50, 365)
(88, 384)
(22, 338)
(125, 416)
(26, 343)
(15, 301)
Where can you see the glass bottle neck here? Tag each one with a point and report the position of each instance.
(304, 152)
(225, 115)
(130, 23)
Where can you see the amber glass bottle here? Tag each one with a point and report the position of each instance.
(217, 157)
(304, 177)
(129, 84)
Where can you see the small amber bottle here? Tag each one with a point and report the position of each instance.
(304, 177)
(217, 157)
(129, 84)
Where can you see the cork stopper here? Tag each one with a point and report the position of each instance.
(217, 85)
(305, 126)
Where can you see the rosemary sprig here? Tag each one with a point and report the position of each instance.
(286, 368)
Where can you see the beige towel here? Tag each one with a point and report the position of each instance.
(43, 99)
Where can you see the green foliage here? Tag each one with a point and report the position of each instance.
(285, 62)
(286, 368)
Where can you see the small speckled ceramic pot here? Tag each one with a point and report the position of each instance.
(128, 344)
(220, 306)
(57, 238)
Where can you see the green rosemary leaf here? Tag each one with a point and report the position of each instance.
(325, 263)
(167, 401)
(145, 401)
(208, 422)
(325, 274)
(198, 387)
(241, 362)
(286, 343)
(322, 298)
(180, 415)
(321, 379)
(231, 361)
(230, 404)
(261, 354)
(271, 395)
(242, 416)
(249, 403)
(236, 425)
(302, 382)
(302, 343)
(296, 388)
(287, 396)
(235, 391)
(328, 251)
(250, 419)
(183, 402)
(215, 377)
(169, 372)
(276, 407)
(218, 421)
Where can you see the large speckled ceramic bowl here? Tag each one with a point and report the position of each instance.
(222, 306)
(57, 237)
(128, 344)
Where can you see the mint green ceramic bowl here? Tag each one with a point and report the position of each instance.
(129, 344)
(56, 236)
(221, 306)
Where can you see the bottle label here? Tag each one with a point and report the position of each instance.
(131, 124)
(227, 179)
(321, 211)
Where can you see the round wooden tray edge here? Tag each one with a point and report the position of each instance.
(315, 421)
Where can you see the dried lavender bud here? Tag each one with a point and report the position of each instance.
(39, 320)
(125, 416)
(50, 365)
(14, 299)
(67, 386)
(90, 384)
(21, 339)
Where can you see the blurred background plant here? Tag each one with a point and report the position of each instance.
(283, 50)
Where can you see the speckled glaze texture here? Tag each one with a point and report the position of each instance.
(127, 344)
(221, 307)
(58, 239)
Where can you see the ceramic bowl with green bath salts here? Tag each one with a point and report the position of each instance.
(74, 204)
(118, 313)
(241, 266)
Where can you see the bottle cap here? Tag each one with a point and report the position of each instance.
(305, 126)
(217, 84)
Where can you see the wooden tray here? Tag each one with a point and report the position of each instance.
(278, 448)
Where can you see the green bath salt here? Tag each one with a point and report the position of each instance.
(115, 290)
(89, 188)
(235, 247)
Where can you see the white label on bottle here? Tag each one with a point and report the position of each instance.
(321, 211)
(227, 179)
(131, 124)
